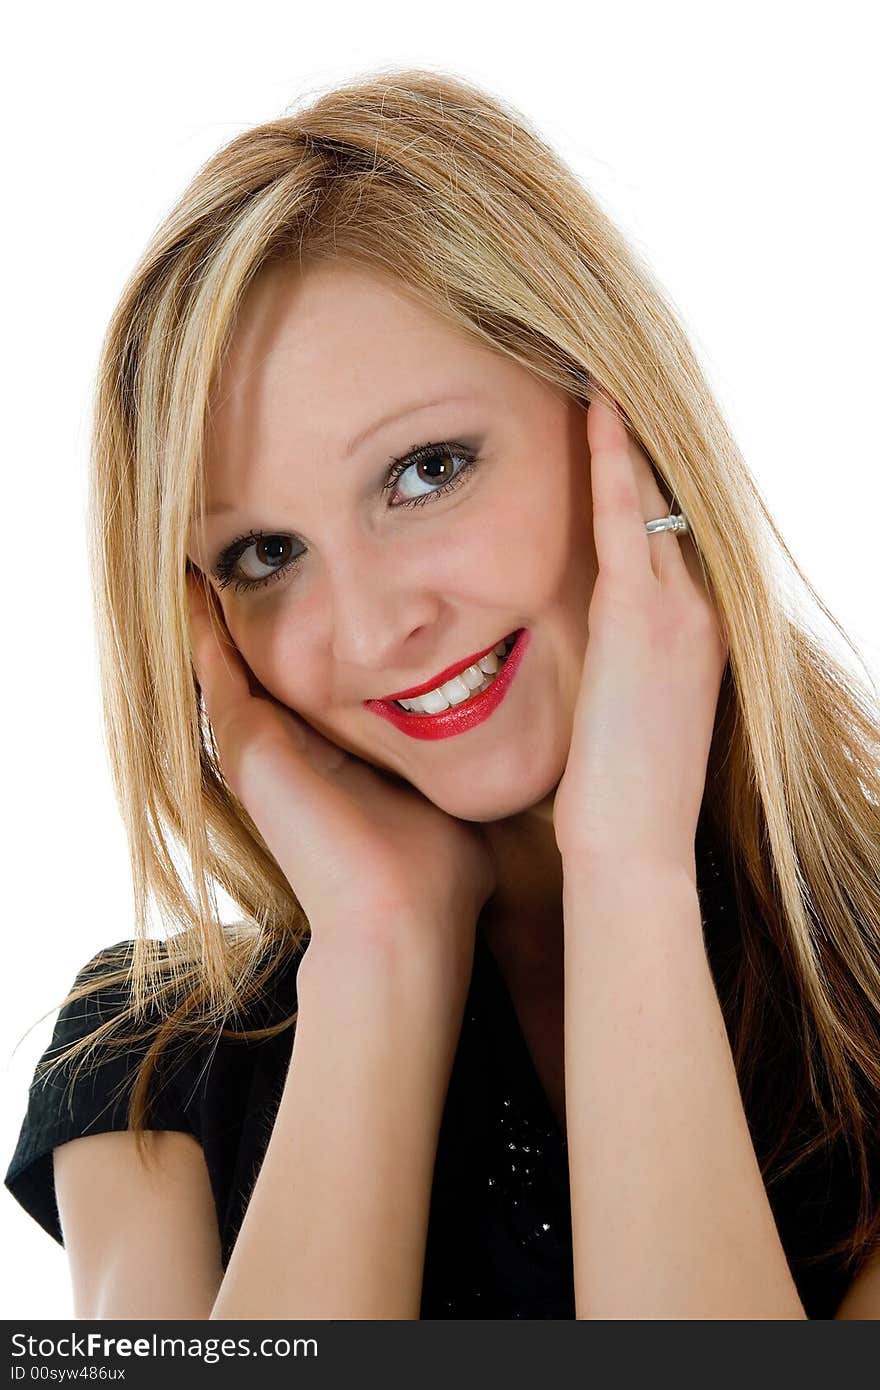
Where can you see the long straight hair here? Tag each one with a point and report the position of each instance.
(423, 176)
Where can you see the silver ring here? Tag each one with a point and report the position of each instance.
(677, 523)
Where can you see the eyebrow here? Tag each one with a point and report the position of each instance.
(361, 438)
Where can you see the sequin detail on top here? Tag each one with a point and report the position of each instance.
(527, 1173)
(500, 1230)
(528, 1183)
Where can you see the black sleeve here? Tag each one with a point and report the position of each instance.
(96, 1102)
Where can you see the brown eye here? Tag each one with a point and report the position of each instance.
(256, 559)
(273, 552)
(432, 471)
(260, 557)
(437, 469)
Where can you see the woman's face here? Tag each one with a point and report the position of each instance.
(331, 375)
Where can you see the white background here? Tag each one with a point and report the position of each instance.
(736, 146)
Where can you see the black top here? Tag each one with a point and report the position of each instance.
(499, 1233)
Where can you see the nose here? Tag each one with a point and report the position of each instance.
(380, 606)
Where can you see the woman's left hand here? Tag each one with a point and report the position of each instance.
(636, 770)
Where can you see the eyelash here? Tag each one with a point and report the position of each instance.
(224, 568)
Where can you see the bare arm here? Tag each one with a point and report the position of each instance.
(392, 887)
(670, 1216)
(337, 1221)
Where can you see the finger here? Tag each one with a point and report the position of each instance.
(618, 524)
(626, 495)
(664, 547)
(674, 555)
(285, 774)
(220, 671)
(238, 706)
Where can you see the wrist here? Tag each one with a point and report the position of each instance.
(395, 955)
(604, 878)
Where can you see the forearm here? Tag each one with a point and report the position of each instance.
(670, 1217)
(337, 1222)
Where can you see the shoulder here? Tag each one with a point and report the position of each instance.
(105, 981)
(84, 1081)
(102, 996)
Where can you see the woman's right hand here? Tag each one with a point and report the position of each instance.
(365, 853)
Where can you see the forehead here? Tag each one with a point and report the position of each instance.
(341, 338)
(318, 357)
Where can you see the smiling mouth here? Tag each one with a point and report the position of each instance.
(459, 689)
(468, 707)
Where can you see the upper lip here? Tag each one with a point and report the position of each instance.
(443, 676)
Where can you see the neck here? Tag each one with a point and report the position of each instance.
(522, 921)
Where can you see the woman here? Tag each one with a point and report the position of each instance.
(556, 989)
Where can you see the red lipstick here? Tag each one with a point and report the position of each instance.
(442, 676)
(458, 718)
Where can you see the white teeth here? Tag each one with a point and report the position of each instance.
(472, 681)
(455, 690)
(472, 677)
(432, 703)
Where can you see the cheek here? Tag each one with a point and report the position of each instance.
(524, 550)
(262, 636)
(542, 542)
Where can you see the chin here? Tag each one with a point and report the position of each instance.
(483, 804)
(505, 782)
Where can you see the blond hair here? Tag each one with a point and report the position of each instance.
(425, 177)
